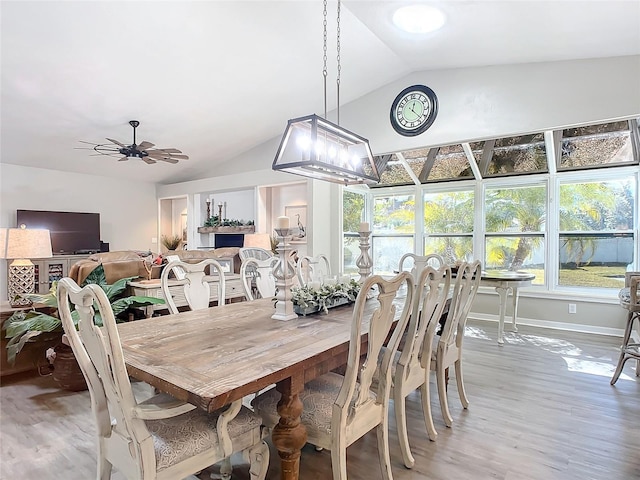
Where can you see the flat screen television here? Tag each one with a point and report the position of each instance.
(71, 232)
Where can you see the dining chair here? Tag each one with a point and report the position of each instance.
(160, 438)
(412, 367)
(312, 269)
(448, 349)
(415, 263)
(192, 281)
(257, 277)
(629, 300)
(254, 252)
(340, 409)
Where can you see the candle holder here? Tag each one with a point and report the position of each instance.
(364, 262)
(208, 202)
(283, 273)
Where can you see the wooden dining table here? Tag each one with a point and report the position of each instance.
(214, 356)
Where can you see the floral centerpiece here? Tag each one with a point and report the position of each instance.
(311, 299)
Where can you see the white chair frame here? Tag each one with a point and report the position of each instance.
(194, 282)
(260, 273)
(310, 269)
(147, 441)
(413, 366)
(448, 350)
(355, 408)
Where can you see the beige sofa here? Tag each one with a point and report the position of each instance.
(128, 263)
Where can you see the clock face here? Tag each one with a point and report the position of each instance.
(414, 110)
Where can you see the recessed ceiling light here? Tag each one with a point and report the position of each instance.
(418, 18)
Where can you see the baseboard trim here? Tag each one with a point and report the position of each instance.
(572, 327)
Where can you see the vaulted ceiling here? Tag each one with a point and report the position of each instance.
(216, 78)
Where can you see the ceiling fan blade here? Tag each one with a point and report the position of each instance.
(90, 143)
(144, 145)
(170, 150)
(123, 159)
(168, 160)
(163, 154)
(148, 160)
(116, 142)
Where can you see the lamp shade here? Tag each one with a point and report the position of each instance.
(28, 243)
(3, 243)
(314, 147)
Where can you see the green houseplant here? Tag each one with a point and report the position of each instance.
(308, 300)
(171, 242)
(23, 327)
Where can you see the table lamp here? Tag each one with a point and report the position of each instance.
(22, 244)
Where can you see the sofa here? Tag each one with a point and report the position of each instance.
(130, 263)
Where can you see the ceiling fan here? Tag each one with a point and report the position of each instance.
(144, 151)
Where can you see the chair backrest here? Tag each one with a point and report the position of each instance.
(630, 294)
(312, 269)
(193, 279)
(430, 297)
(381, 326)
(462, 296)
(416, 263)
(257, 277)
(99, 354)
(254, 252)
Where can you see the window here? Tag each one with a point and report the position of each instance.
(448, 224)
(596, 232)
(392, 232)
(515, 221)
(353, 205)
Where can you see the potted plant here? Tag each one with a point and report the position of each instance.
(171, 242)
(23, 327)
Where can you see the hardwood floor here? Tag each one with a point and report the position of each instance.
(541, 408)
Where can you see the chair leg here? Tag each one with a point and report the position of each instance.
(425, 390)
(104, 468)
(459, 380)
(623, 355)
(442, 393)
(399, 402)
(382, 432)
(258, 457)
(226, 469)
(339, 458)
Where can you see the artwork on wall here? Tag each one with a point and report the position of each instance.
(298, 217)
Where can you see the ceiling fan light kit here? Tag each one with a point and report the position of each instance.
(144, 151)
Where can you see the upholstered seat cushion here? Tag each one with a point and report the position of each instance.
(625, 295)
(179, 438)
(317, 398)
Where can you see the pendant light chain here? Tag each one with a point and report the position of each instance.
(324, 58)
(338, 71)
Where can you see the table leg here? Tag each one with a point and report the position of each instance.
(289, 435)
(514, 325)
(502, 292)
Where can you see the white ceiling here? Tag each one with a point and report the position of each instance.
(216, 78)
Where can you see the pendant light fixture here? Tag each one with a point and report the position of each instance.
(314, 147)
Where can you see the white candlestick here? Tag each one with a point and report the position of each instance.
(364, 227)
(282, 222)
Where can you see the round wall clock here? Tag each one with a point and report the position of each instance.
(413, 110)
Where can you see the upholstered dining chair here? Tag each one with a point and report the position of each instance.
(315, 268)
(192, 281)
(257, 277)
(629, 300)
(160, 438)
(412, 367)
(448, 349)
(338, 410)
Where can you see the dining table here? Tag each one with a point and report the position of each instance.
(214, 356)
(505, 281)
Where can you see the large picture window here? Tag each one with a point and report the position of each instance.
(448, 224)
(392, 231)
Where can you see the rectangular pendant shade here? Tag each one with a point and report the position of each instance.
(314, 147)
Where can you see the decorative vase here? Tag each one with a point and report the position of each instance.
(66, 371)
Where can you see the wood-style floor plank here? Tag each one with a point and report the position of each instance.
(541, 409)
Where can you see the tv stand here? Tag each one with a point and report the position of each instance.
(49, 270)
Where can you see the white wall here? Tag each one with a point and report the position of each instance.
(127, 207)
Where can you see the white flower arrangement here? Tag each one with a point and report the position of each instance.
(309, 299)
